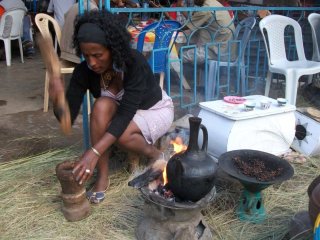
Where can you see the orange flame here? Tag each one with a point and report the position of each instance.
(178, 145)
(164, 175)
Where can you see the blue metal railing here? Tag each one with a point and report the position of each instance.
(228, 79)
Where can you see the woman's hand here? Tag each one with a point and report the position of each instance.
(56, 88)
(83, 169)
(60, 104)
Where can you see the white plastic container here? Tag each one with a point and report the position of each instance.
(230, 127)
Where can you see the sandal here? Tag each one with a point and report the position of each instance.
(97, 197)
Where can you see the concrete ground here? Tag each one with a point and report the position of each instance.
(25, 129)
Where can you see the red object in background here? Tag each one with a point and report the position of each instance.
(226, 4)
(173, 15)
(1, 11)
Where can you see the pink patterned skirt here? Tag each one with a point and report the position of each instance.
(157, 120)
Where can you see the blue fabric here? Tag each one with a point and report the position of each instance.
(26, 29)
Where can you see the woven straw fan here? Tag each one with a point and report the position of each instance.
(52, 63)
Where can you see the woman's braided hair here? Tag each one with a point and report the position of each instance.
(116, 35)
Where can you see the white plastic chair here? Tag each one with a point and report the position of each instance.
(274, 40)
(10, 29)
(42, 21)
(314, 20)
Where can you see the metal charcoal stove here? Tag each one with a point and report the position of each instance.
(166, 217)
(176, 191)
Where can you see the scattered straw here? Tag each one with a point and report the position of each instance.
(30, 204)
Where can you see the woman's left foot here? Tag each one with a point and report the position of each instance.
(95, 195)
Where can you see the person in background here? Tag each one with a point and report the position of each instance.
(124, 3)
(261, 13)
(226, 3)
(177, 16)
(219, 29)
(130, 109)
(27, 40)
(68, 52)
(59, 8)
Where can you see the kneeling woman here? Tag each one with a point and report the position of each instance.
(130, 109)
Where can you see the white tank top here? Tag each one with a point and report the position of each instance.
(107, 93)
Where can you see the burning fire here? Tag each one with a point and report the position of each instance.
(164, 175)
(178, 146)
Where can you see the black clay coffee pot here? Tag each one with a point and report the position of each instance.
(191, 173)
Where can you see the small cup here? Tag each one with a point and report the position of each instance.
(265, 104)
(249, 106)
(281, 101)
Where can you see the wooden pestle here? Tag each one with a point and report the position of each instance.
(52, 64)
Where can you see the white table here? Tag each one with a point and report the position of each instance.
(230, 127)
